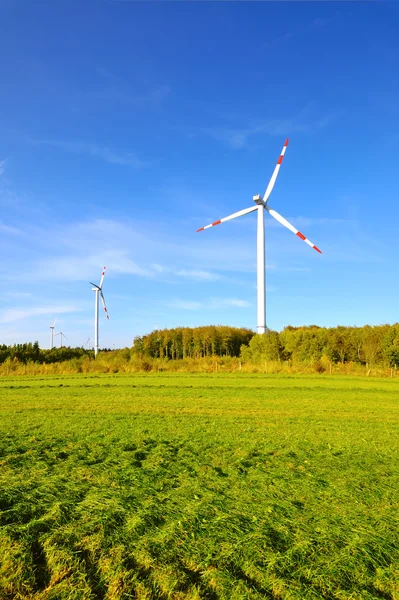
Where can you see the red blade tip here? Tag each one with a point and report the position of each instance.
(202, 229)
(286, 142)
(317, 250)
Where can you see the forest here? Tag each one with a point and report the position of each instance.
(293, 347)
(368, 345)
(29, 352)
(197, 342)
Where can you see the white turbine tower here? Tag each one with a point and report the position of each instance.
(52, 334)
(99, 292)
(261, 205)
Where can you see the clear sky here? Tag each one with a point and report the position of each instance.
(126, 126)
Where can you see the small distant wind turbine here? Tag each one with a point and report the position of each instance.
(88, 343)
(261, 205)
(62, 335)
(52, 334)
(99, 292)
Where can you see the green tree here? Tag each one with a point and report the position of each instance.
(263, 347)
(372, 343)
(390, 345)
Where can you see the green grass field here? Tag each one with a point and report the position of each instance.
(166, 486)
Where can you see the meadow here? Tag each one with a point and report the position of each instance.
(199, 486)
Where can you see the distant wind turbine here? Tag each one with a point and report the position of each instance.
(261, 205)
(62, 335)
(99, 292)
(52, 334)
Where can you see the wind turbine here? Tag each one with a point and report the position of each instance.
(62, 335)
(52, 334)
(261, 206)
(99, 292)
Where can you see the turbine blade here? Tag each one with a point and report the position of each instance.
(275, 173)
(240, 213)
(284, 222)
(103, 301)
(102, 278)
(95, 285)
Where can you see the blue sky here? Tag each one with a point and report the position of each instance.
(126, 126)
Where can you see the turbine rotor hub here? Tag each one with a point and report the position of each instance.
(258, 200)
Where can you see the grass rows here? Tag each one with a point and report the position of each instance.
(211, 487)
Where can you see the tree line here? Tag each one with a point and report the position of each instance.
(368, 345)
(31, 352)
(197, 342)
(307, 345)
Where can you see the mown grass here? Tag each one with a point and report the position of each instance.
(218, 487)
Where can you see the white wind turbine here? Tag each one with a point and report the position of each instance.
(99, 292)
(52, 334)
(261, 205)
(62, 335)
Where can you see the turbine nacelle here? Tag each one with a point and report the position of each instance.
(258, 200)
